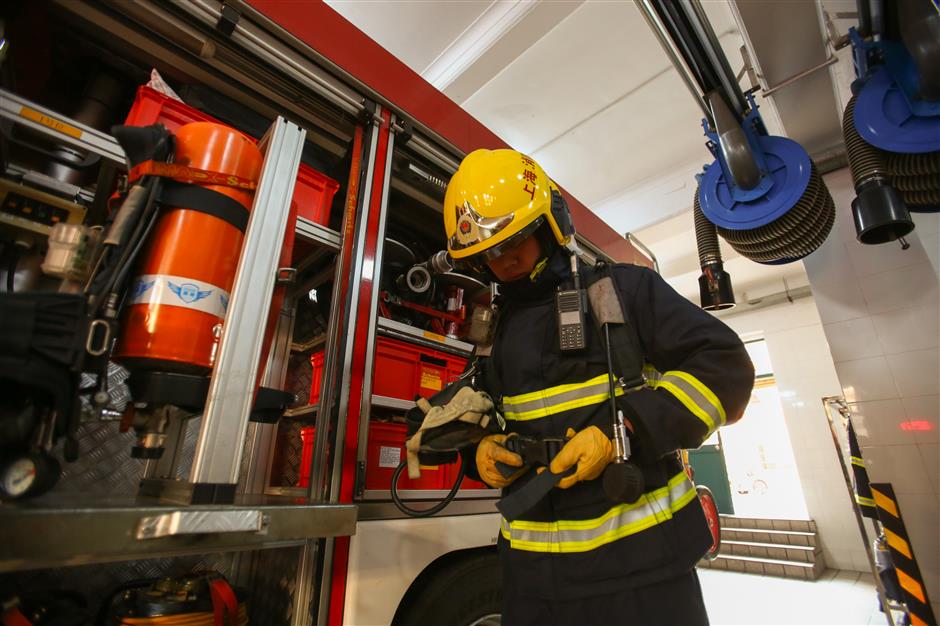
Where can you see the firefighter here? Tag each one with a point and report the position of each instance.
(577, 557)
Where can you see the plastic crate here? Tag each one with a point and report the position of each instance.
(313, 192)
(307, 437)
(386, 449)
(403, 370)
(316, 376)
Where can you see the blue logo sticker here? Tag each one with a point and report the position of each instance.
(224, 300)
(188, 292)
(140, 288)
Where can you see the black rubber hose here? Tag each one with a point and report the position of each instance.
(865, 161)
(792, 236)
(706, 235)
(917, 178)
(434, 509)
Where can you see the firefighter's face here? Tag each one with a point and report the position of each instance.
(516, 262)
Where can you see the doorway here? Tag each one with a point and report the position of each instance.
(762, 473)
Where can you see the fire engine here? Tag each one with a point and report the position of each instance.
(211, 332)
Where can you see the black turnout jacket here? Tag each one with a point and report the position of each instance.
(575, 543)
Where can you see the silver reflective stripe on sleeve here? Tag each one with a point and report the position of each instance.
(695, 396)
(620, 521)
(536, 404)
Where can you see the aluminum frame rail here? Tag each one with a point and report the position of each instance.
(72, 531)
(60, 128)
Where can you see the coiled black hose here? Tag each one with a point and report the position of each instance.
(795, 234)
(706, 235)
(915, 176)
(866, 162)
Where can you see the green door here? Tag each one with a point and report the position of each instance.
(708, 462)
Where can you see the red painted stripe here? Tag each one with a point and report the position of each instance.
(358, 373)
(338, 587)
(330, 34)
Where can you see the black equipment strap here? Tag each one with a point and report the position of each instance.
(518, 503)
(208, 201)
(626, 351)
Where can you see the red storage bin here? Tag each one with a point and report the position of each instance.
(316, 376)
(313, 192)
(386, 449)
(403, 370)
(307, 437)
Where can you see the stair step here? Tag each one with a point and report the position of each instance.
(735, 557)
(732, 521)
(768, 531)
(759, 550)
(783, 539)
(766, 567)
(738, 542)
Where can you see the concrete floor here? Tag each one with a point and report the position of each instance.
(838, 597)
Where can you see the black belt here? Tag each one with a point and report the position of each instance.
(535, 452)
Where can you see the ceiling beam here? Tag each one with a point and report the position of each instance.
(543, 16)
(489, 27)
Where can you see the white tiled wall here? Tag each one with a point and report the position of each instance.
(805, 374)
(880, 309)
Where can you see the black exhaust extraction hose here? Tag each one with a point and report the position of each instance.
(714, 285)
(706, 236)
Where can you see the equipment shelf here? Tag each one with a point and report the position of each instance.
(317, 233)
(391, 328)
(73, 529)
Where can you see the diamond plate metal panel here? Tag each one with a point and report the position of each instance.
(117, 389)
(104, 466)
(188, 450)
(285, 468)
(274, 572)
(299, 377)
(311, 319)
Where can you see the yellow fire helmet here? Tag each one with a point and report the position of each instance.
(498, 195)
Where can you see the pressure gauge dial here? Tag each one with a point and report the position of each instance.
(18, 477)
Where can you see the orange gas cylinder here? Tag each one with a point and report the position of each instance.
(178, 300)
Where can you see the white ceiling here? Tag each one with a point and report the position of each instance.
(585, 88)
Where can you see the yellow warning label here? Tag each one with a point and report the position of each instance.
(898, 543)
(431, 379)
(884, 502)
(911, 586)
(429, 335)
(51, 122)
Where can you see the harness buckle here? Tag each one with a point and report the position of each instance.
(535, 451)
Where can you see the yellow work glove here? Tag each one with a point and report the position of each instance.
(489, 451)
(591, 449)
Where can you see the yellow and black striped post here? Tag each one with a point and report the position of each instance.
(915, 592)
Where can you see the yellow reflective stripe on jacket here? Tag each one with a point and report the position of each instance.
(696, 397)
(620, 521)
(536, 404)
